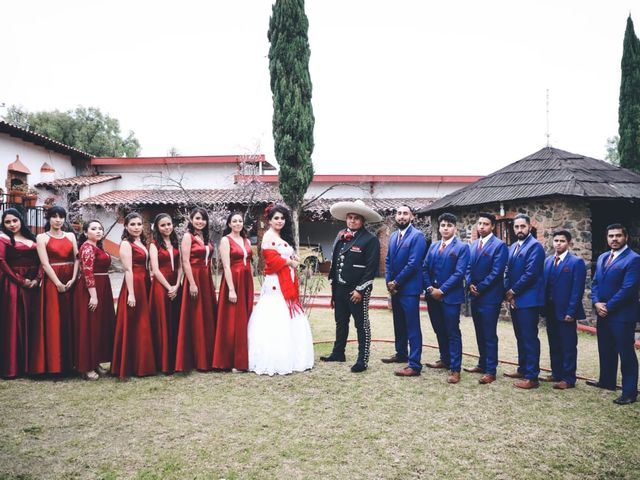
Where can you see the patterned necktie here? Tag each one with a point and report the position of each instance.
(610, 260)
(556, 261)
(480, 245)
(515, 252)
(400, 234)
(442, 247)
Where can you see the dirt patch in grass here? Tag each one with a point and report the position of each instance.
(325, 423)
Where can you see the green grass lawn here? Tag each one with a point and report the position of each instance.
(325, 423)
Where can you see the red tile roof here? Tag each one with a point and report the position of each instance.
(79, 181)
(260, 194)
(38, 139)
(201, 159)
(374, 178)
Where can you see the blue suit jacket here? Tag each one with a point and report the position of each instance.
(486, 271)
(617, 285)
(403, 262)
(446, 270)
(524, 274)
(568, 280)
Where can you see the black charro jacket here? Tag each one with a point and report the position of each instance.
(354, 264)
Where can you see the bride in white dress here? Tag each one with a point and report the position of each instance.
(279, 335)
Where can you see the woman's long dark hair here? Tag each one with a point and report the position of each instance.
(227, 229)
(157, 236)
(125, 232)
(56, 211)
(205, 230)
(287, 231)
(24, 230)
(83, 235)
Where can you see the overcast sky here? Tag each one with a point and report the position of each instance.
(399, 87)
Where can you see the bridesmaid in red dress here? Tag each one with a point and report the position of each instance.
(93, 314)
(19, 292)
(133, 343)
(236, 298)
(164, 300)
(52, 338)
(196, 333)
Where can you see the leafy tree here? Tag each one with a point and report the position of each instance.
(612, 156)
(293, 118)
(629, 108)
(85, 128)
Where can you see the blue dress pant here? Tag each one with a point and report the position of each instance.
(525, 326)
(617, 339)
(563, 348)
(485, 321)
(445, 319)
(406, 327)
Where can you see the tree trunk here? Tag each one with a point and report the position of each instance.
(295, 217)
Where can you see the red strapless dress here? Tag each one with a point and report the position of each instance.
(133, 344)
(19, 306)
(196, 333)
(93, 331)
(231, 349)
(165, 313)
(52, 338)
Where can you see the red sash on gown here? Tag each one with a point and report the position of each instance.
(93, 331)
(165, 313)
(52, 338)
(274, 263)
(133, 344)
(196, 333)
(19, 306)
(231, 347)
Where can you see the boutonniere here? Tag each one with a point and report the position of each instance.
(345, 235)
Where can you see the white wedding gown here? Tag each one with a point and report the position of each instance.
(278, 344)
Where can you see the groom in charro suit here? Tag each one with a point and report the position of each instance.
(403, 274)
(354, 263)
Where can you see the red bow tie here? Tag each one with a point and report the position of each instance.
(345, 235)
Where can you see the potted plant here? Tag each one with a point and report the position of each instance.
(17, 193)
(31, 198)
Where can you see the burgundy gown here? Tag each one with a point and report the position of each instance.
(165, 313)
(231, 348)
(133, 343)
(51, 339)
(93, 331)
(196, 333)
(19, 306)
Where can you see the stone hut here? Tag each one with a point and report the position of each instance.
(558, 190)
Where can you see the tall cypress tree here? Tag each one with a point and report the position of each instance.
(629, 108)
(293, 119)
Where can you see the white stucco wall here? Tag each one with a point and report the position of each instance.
(33, 156)
(135, 177)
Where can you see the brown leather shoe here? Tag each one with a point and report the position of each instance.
(438, 364)
(486, 379)
(562, 385)
(454, 377)
(548, 378)
(473, 370)
(526, 384)
(407, 372)
(394, 359)
(515, 374)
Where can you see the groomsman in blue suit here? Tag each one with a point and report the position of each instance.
(564, 278)
(524, 285)
(443, 274)
(485, 280)
(407, 247)
(614, 293)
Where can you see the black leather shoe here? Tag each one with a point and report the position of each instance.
(622, 400)
(593, 383)
(333, 358)
(358, 367)
(394, 359)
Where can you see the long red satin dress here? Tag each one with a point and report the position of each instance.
(196, 333)
(93, 331)
(51, 339)
(165, 313)
(133, 343)
(19, 306)
(231, 348)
